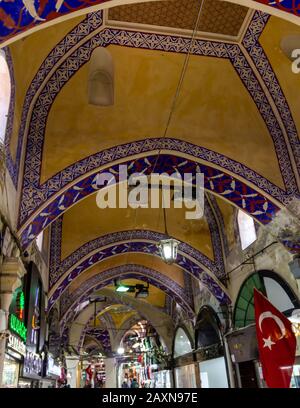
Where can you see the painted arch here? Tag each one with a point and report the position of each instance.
(18, 21)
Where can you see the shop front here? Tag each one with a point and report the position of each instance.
(32, 367)
(31, 370)
(14, 355)
(15, 345)
(147, 375)
(185, 368)
(242, 342)
(145, 359)
(209, 350)
(244, 356)
(295, 320)
(52, 374)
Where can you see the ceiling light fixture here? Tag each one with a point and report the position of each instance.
(168, 247)
(141, 291)
(123, 288)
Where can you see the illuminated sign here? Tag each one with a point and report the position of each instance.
(32, 364)
(35, 321)
(18, 327)
(16, 344)
(20, 305)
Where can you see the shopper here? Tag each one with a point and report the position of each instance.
(125, 385)
(134, 383)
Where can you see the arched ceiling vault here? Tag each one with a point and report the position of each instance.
(20, 21)
(70, 301)
(59, 192)
(236, 121)
(48, 212)
(161, 321)
(107, 252)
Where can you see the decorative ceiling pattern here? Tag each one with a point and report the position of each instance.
(80, 31)
(59, 267)
(216, 17)
(219, 182)
(19, 16)
(34, 194)
(101, 335)
(12, 167)
(68, 302)
(259, 58)
(148, 248)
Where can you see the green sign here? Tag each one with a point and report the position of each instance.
(18, 327)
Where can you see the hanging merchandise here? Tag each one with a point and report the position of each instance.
(89, 374)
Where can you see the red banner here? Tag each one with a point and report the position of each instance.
(276, 343)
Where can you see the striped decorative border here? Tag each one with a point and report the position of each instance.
(35, 194)
(91, 23)
(216, 181)
(99, 281)
(58, 267)
(264, 67)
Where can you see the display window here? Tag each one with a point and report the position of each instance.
(185, 376)
(10, 372)
(213, 373)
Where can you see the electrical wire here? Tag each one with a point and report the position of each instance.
(169, 120)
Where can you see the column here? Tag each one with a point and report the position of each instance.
(111, 373)
(10, 279)
(72, 373)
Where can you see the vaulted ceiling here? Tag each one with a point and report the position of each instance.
(236, 119)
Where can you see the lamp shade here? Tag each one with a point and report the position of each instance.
(168, 250)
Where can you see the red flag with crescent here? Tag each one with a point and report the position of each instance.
(276, 343)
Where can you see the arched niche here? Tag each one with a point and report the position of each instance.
(207, 331)
(101, 78)
(182, 343)
(273, 286)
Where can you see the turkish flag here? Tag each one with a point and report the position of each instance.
(276, 343)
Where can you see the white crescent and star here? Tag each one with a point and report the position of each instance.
(268, 342)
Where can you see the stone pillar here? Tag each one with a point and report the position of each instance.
(12, 271)
(111, 373)
(72, 371)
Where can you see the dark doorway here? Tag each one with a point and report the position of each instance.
(248, 375)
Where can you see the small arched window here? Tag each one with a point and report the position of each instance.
(5, 92)
(101, 78)
(182, 344)
(246, 229)
(39, 240)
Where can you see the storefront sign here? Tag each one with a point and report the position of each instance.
(32, 365)
(17, 326)
(20, 305)
(243, 344)
(16, 344)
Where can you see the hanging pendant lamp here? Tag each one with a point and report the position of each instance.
(168, 247)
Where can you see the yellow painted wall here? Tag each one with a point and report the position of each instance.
(156, 296)
(28, 54)
(270, 39)
(86, 221)
(214, 110)
(171, 271)
(228, 213)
